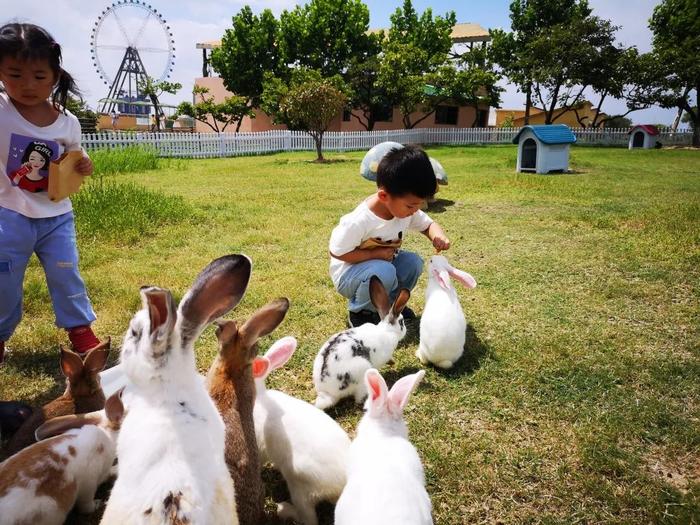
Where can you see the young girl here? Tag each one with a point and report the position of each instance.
(33, 131)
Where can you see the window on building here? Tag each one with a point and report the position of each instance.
(347, 115)
(384, 114)
(446, 115)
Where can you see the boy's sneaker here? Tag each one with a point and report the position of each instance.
(83, 339)
(363, 316)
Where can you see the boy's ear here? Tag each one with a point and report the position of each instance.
(382, 195)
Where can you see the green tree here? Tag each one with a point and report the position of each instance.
(686, 116)
(548, 49)
(154, 89)
(248, 50)
(206, 110)
(325, 35)
(617, 122)
(415, 54)
(79, 108)
(367, 98)
(676, 48)
(309, 102)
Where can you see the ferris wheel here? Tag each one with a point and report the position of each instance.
(130, 41)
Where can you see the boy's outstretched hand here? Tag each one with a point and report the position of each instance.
(441, 242)
(84, 166)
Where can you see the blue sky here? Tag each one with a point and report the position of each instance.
(71, 21)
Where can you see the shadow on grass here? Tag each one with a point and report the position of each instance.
(26, 362)
(475, 351)
(276, 490)
(440, 205)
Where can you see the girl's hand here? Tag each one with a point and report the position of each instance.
(84, 166)
(440, 243)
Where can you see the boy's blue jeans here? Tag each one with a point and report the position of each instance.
(402, 272)
(53, 241)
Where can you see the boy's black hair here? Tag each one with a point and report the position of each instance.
(405, 171)
(31, 42)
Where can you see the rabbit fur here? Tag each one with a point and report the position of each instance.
(41, 483)
(386, 482)
(305, 444)
(342, 361)
(83, 394)
(171, 446)
(231, 386)
(442, 325)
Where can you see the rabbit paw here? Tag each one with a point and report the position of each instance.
(286, 511)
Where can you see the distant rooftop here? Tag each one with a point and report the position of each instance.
(461, 33)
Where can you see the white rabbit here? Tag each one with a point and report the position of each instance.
(171, 446)
(305, 444)
(442, 325)
(41, 483)
(386, 483)
(341, 363)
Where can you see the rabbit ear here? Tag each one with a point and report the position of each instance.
(280, 352)
(216, 290)
(261, 367)
(61, 424)
(463, 277)
(263, 321)
(96, 359)
(161, 312)
(71, 364)
(376, 391)
(378, 296)
(442, 278)
(402, 389)
(400, 302)
(114, 408)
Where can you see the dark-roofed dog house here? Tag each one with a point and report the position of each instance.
(643, 136)
(544, 148)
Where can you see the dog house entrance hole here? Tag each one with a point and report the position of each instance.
(529, 160)
(638, 140)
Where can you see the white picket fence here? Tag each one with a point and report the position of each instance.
(207, 145)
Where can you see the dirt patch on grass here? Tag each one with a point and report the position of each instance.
(681, 473)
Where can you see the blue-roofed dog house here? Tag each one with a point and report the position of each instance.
(544, 148)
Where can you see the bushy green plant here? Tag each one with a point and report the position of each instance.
(123, 160)
(107, 209)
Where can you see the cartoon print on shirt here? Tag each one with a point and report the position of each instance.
(28, 162)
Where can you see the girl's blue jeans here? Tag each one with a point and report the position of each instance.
(402, 272)
(53, 241)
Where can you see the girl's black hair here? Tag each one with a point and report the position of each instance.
(405, 171)
(31, 42)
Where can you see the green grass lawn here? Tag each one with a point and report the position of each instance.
(578, 397)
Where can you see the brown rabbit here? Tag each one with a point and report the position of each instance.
(231, 386)
(40, 484)
(83, 394)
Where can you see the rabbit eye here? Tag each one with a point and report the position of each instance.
(135, 334)
(401, 323)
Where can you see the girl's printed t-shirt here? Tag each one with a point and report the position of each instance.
(26, 151)
(362, 224)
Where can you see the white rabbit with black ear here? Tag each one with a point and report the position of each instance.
(171, 445)
(386, 482)
(442, 325)
(341, 363)
(304, 443)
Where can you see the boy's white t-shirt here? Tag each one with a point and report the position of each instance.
(21, 142)
(362, 224)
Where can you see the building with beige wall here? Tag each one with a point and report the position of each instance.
(447, 115)
(586, 113)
